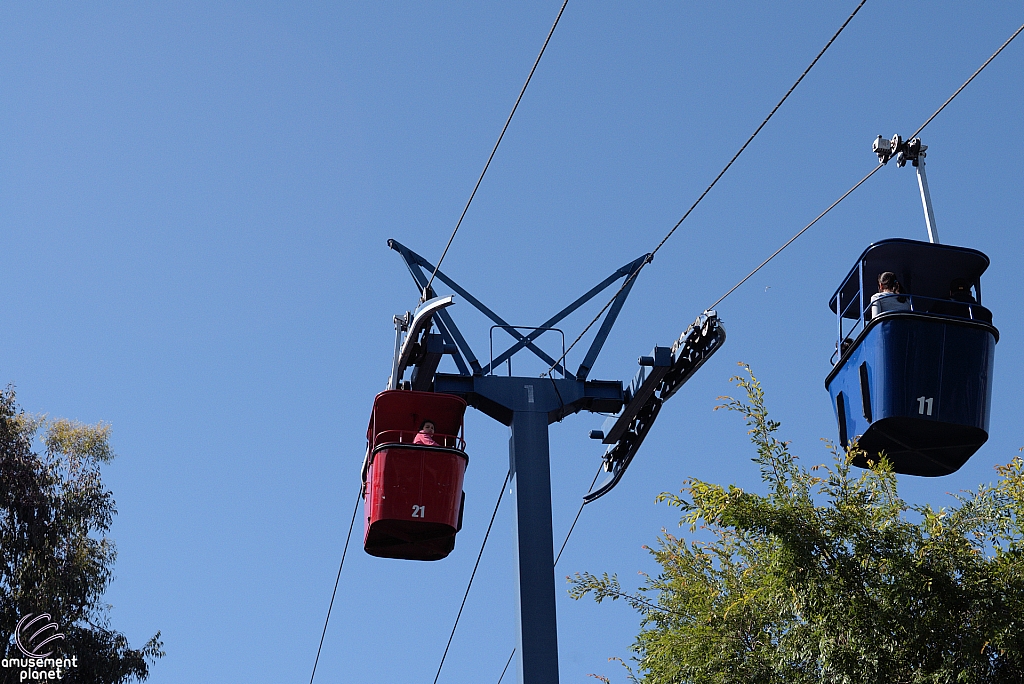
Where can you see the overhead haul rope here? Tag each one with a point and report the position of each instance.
(721, 173)
(994, 54)
(792, 239)
(576, 519)
(507, 663)
(336, 580)
(508, 476)
(871, 173)
(502, 135)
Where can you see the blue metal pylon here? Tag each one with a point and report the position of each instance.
(528, 405)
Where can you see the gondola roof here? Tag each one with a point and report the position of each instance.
(923, 268)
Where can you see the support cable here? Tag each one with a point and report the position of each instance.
(502, 135)
(507, 663)
(792, 239)
(721, 173)
(336, 580)
(951, 97)
(571, 528)
(508, 475)
(871, 173)
(766, 120)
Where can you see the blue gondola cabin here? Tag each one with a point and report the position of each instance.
(913, 372)
(412, 481)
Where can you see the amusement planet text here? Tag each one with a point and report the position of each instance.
(53, 668)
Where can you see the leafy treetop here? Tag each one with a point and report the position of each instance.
(829, 577)
(55, 556)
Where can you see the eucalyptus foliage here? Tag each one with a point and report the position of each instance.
(55, 556)
(829, 577)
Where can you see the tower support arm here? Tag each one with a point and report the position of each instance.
(416, 263)
(629, 271)
(499, 396)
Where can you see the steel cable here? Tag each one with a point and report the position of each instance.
(336, 580)
(982, 67)
(472, 575)
(502, 135)
(758, 130)
(574, 521)
(792, 239)
(507, 663)
(871, 173)
(714, 182)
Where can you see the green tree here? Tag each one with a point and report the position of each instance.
(55, 556)
(829, 577)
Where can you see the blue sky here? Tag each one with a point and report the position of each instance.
(196, 200)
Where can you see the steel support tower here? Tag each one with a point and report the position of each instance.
(528, 405)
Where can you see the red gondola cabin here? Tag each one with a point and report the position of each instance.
(412, 488)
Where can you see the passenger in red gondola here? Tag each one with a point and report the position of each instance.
(426, 434)
(888, 296)
(413, 478)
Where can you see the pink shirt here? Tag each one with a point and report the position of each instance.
(425, 439)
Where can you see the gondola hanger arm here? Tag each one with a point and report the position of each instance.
(420, 322)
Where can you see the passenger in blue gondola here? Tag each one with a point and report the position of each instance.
(960, 291)
(889, 296)
(426, 434)
(966, 305)
(916, 382)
